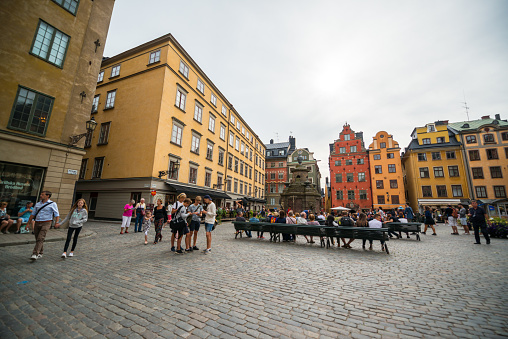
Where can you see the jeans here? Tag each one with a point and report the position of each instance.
(139, 221)
(392, 233)
(485, 232)
(248, 233)
(40, 230)
(69, 236)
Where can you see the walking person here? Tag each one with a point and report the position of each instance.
(463, 218)
(210, 213)
(147, 223)
(23, 216)
(127, 216)
(429, 221)
(43, 214)
(174, 208)
(140, 215)
(77, 216)
(195, 209)
(479, 219)
(408, 212)
(160, 216)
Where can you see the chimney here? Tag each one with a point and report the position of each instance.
(498, 117)
(486, 117)
(271, 141)
(292, 143)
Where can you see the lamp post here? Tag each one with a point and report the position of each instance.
(90, 127)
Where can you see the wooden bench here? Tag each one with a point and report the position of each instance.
(413, 227)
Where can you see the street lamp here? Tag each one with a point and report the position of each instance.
(172, 170)
(90, 127)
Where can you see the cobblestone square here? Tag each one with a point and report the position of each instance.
(115, 286)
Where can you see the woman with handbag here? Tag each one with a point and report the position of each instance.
(160, 215)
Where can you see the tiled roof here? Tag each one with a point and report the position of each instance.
(462, 126)
(277, 145)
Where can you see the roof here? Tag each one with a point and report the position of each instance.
(463, 126)
(413, 145)
(277, 145)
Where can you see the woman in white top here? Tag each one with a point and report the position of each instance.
(179, 202)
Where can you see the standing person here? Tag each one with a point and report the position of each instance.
(179, 202)
(196, 210)
(43, 214)
(263, 212)
(429, 220)
(463, 218)
(408, 212)
(23, 216)
(147, 222)
(376, 223)
(210, 213)
(479, 219)
(77, 216)
(182, 214)
(140, 214)
(128, 209)
(160, 216)
(362, 222)
(6, 219)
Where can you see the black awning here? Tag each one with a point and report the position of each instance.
(193, 191)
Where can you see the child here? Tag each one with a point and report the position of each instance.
(77, 216)
(147, 222)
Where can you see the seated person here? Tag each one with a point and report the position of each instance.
(376, 223)
(241, 218)
(390, 218)
(254, 218)
(23, 215)
(403, 220)
(5, 218)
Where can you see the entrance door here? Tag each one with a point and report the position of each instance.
(92, 204)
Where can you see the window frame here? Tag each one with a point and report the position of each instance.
(193, 170)
(378, 169)
(198, 111)
(442, 191)
(449, 155)
(209, 150)
(422, 156)
(380, 184)
(222, 132)
(427, 191)
(186, 69)
(494, 174)
(498, 189)
(476, 157)
(67, 9)
(104, 133)
(392, 168)
(213, 99)
(98, 160)
(471, 139)
(100, 76)
(180, 94)
(477, 173)
(424, 170)
(394, 183)
(456, 189)
(195, 143)
(156, 57)
(492, 154)
(48, 54)
(200, 86)
(117, 68)
(438, 172)
(481, 192)
(82, 169)
(110, 103)
(453, 171)
(436, 156)
(95, 103)
(175, 138)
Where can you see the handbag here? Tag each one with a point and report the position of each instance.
(177, 223)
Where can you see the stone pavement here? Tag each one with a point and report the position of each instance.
(116, 287)
(12, 239)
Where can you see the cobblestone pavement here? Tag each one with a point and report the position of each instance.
(116, 286)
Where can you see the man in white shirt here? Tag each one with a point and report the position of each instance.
(376, 223)
(210, 213)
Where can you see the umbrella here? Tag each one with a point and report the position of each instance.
(340, 208)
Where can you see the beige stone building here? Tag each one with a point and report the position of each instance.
(51, 52)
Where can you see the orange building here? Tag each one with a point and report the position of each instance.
(386, 172)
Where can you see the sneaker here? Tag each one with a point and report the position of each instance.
(70, 254)
(262, 237)
(33, 257)
(39, 256)
(64, 255)
(126, 231)
(195, 248)
(188, 250)
(179, 252)
(434, 234)
(173, 249)
(207, 251)
(17, 232)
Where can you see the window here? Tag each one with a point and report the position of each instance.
(281, 188)
(347, 137)
(97, 168)
(492, 154)
(427, 191)
(488, 138)
(394, 184)
(222, 131)
(378, 169)
(471, 139)
(88, 139)
(243, 130)
(181, 97)
(213, 99)
(272, 164)
(232, 119)
(101, 76)
(237, 144)
(391, 168)
(176, 134)
(441, 191)
(481, 191)
(440, 140)
(110, 99)
(211, 123)
(422, 157)
(200, 86)
(184, 69)
(195, 143)
(380, 184)
(95, 103)
(228, 185)
(424, 172)
(230, 162)
(436, 155)
(31, 112)
(390, 155)
(352, 149)
(337, 162)
(340, 195)
(154, 57)
(349, 162)
(450, 155)
(495, 172)
(281, 176)
(359, 161)
(281, 152)
(377, 156)
(115, 71)
(477, 172)
(380, 199)
(351, 195)
(363, 195)
(224, 110)
(438, 172)
(504, 136)
(236, 164)
(338, 177)
(238, 124)
(193, 175)
(426, 141)
(474, 155)
(342, 150)
(382, 145)
(198, 112)
(209, 151)
(231, 139)
(82, 170)
(208, 179)
(500, 191)
(395, 199)
(221, 156)
(349, 177)
(361, 176)
(241, 167)
(431, 128)
(242, 147)
(453, 171)
(70, 5)
(272, 176)
(457, 191)
(50, 44)
(104, 134)
(174, 167)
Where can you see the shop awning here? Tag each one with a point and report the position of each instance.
(193, 191)
(438, 202)
(490, 201)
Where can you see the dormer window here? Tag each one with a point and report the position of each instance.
(431, 128)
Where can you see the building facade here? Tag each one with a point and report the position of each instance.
(349, 171)
(485, 152)
(434, 170)
(165, 127)
(277, 174)
(51, 54)
(387, 178)
(314, 174)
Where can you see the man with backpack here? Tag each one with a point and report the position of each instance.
(43, 214)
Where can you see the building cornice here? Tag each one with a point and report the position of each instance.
(34, 141)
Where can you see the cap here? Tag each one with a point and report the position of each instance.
(207, 197)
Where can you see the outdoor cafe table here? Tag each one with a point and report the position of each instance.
(413, 227)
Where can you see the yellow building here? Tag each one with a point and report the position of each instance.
(386, 172)
(485, 147)
(164, 126)
(51, 53)
(434, 170)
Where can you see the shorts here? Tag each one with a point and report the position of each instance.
(208, 227)
(463, 221)
(194, 225)
(452, 221)
(24, 219)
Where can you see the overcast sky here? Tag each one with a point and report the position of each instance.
(307, 67)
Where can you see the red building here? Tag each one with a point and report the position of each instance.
(349, 171)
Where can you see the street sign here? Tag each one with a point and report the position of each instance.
(73, 172)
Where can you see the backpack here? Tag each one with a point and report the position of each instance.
(346, 221)
(455, 214)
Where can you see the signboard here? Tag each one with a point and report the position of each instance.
(71, 171)
(491, 208)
